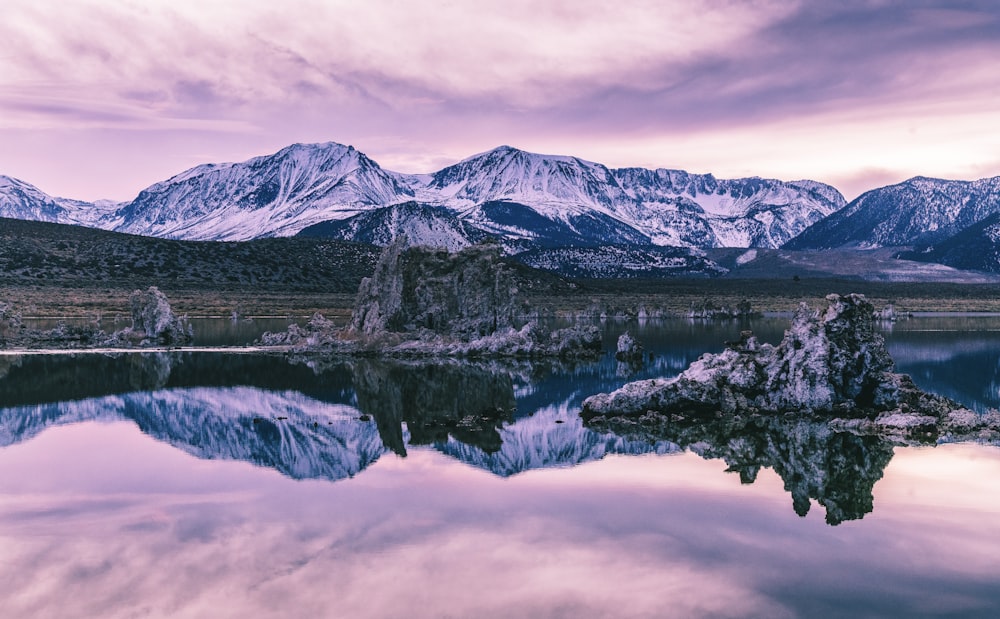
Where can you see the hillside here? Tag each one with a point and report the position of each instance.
(37, 252)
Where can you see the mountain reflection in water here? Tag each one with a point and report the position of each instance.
(346, 416)
(332, 421)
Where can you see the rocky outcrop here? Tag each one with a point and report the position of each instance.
(153, 318)
(831, 364)
(424, 302)
(628, 349)
(153, 322)
(466, 294)
(15, 334)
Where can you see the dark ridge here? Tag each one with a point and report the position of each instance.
(46, 253)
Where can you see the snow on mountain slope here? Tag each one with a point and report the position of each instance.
(275, 195)
(917, 211)
(697, 210)
(433, 226)
(544, 200)
(552, 200)
(20, 200)
(975, 248)
(556, 186)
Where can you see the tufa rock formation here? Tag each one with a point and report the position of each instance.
(153, 322)
(423, 302)
(429, 302)
(708, 309)
(466, 294)
(628, 349)
(831, 364)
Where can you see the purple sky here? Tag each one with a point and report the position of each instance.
(100, 98)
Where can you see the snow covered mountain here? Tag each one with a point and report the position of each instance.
(274, 195)
(919, 211)
(975, 248)
(422, 224)
(698, 210)
(514, 193)
(20, 200)
(525, 199)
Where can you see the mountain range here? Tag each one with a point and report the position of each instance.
(953, 223)
(919, 211)
(526, 199)
(573, 216)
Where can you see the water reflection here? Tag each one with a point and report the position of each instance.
(434, 401)
(344, 418)
(99, 519)
(837, 469)
(332, 421)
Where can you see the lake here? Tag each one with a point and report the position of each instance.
(203, 484)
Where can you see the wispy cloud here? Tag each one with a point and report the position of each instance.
(419, 82)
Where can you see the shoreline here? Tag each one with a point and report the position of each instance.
(624, 297)
(282, 349)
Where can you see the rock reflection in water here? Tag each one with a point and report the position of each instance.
(837, 469)
(467, 402)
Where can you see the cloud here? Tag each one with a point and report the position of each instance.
(420, 84)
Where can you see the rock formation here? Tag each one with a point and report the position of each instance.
(708, 309)
(628, 349)
(831, 364)
(153, 321)
(466, 294)
(423, 302)
(15, 334)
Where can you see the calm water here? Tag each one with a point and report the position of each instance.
(222, 485)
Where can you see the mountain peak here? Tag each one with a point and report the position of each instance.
(506, 152)
(926, 179)
(317, 147)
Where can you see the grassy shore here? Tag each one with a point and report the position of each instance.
(671, 297)
(775, 295)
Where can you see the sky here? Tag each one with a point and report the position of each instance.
(101, 98)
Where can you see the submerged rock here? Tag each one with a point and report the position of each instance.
(528, 342)
(318, 331)
(831, 363)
